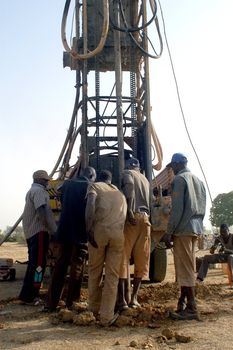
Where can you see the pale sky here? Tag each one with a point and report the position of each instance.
(37, 93)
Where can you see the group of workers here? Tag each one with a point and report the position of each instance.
(111, 227)
(92, 222)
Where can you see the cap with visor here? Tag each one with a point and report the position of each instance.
(41, 174)
(177, 158)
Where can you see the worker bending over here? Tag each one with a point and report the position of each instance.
(105, 217)
(72, 236)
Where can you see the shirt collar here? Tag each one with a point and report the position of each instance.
(38, 185)
(185, 170)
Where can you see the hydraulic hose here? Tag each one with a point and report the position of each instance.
(129, 30)
(136, 29)
(103, 37)
(158, 148)
(71, 127)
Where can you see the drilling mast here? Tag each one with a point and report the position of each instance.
(109, 54)
(111, 117)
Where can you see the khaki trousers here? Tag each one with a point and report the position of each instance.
(108, 254)
(184, 260)
(137, 246)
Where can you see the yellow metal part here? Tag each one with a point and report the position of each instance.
(54, 195)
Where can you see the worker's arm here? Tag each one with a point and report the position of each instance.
(47, 219)
(89, 218)
(229, 249)
(178, 195)
(128, 190)
(217, 242)
(212, 249)
(178, 192)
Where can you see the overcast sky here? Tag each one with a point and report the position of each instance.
(37, 94)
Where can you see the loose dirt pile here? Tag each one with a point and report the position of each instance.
(27, 327)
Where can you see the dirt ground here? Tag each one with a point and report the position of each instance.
(26, 327)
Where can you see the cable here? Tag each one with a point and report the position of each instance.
(180, 104)
(156, 56)
(127, 29)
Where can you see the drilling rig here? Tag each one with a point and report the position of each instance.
(111, 119)
(109, 54)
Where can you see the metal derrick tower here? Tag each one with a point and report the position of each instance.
(111, 118)
(109, 54)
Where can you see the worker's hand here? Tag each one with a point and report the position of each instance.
(212, 250)
(167, 239)
(91, 239)
(132, 219)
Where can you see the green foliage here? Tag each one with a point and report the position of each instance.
(16, 236)
(1, 235)
(222, 210)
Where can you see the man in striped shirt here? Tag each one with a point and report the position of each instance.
(38, 222)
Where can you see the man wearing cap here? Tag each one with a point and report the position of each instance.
(225, 242)
(38, 222)
(136, 189)
(184, 226)
(72, 236)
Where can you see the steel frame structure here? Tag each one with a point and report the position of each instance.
(114, 107)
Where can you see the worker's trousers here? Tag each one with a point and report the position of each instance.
(137, 246)
(214, 259)
(70, 254)
(37, 254)
(106, 258)
(184, 260)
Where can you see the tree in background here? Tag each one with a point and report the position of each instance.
(222, 210)
(16, 236)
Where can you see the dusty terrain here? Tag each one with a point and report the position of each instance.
(26, 327)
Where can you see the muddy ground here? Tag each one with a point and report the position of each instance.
(26, 327)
